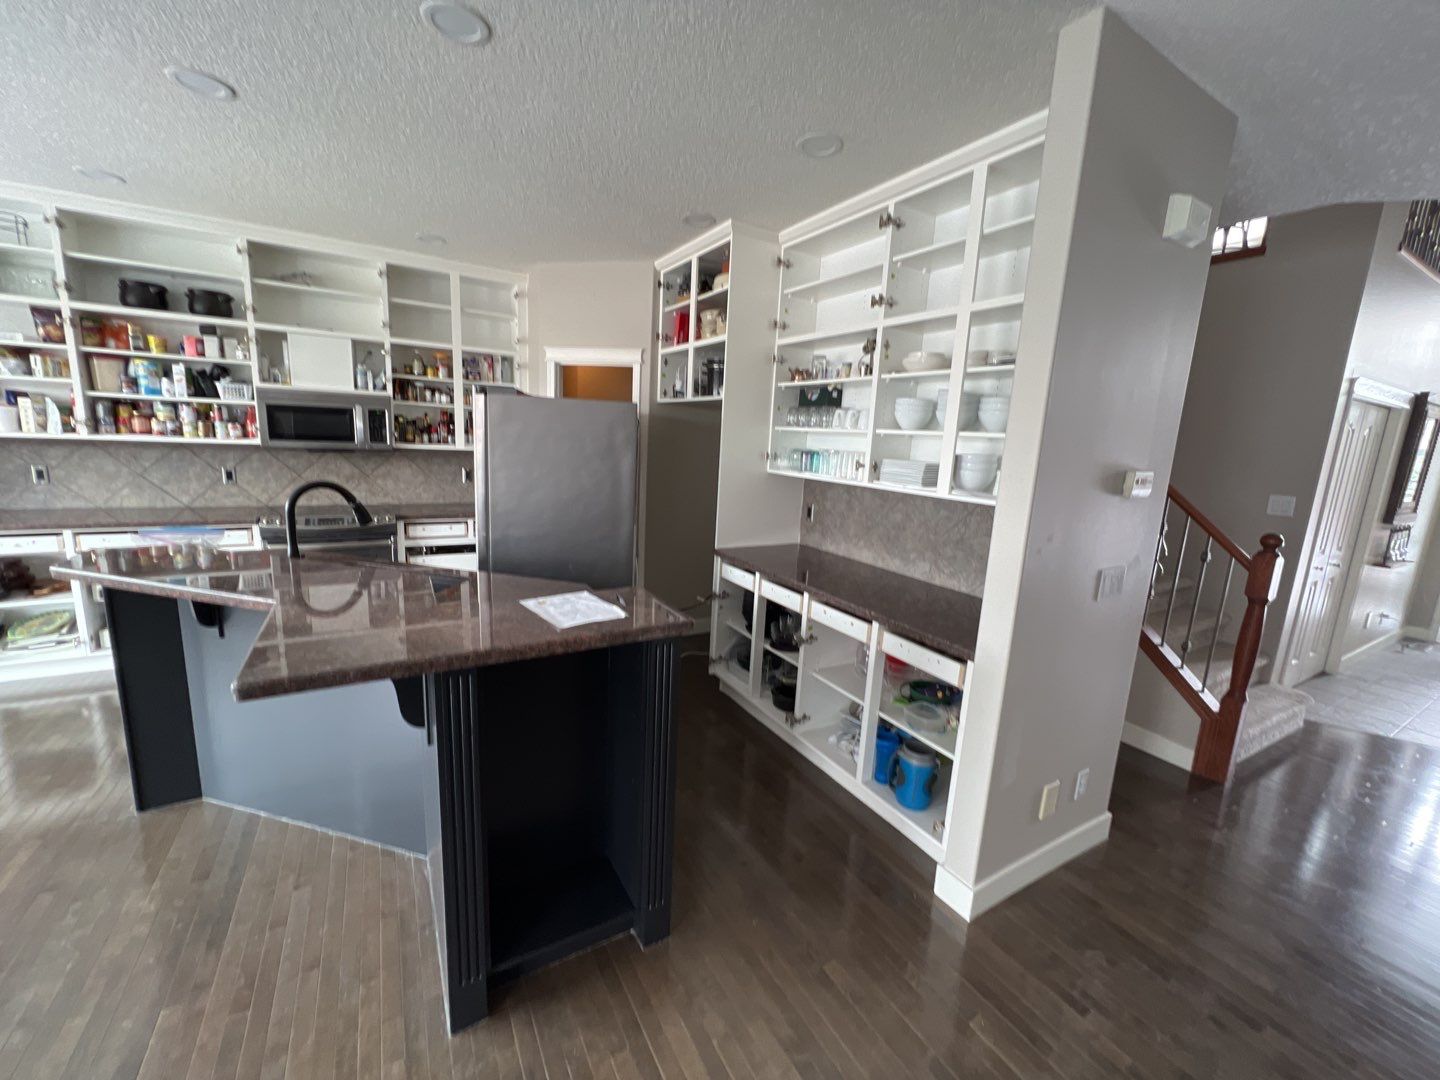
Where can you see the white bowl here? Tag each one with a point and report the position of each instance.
(977, 472)
(924, 361)
(913, 413)
(994, 411)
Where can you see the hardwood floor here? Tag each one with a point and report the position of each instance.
(1289, 927)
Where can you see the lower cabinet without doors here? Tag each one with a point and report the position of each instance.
(851, 677)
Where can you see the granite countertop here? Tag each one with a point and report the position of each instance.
(137, 517)
(336, 621)
(941, 619)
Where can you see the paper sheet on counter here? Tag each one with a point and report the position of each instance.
(566, 610)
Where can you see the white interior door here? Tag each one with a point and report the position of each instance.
(1352, 474)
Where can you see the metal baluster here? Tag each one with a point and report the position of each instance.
(1205, 557)
(1219, 614)
(1157, 569)
(1175, 584)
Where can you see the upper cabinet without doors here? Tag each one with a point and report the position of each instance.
(897, 331)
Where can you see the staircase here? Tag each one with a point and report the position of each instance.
(1202, 629)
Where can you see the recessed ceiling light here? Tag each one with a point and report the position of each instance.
(102, 176)
(821, 144)
(699, 220)
(434, 239)
(197, 82)
(455, 22)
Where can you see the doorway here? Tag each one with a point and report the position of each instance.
(594, 374)
(1362, 451)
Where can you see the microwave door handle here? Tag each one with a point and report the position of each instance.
(362, 436)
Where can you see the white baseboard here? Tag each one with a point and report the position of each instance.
(1158, 746)
(972, 901)
(1370, 646)
(1419, 633)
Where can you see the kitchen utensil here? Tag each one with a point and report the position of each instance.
(218, 305)
(913, 771)
(994, 411)
(978, 471)
(924, 361)
(913, 413)
(143, 294)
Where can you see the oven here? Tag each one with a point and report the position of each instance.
(306, 420)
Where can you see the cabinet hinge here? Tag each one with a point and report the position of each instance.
(782, 262)
(779, 324)
(890, 221)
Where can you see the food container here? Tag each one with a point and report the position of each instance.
(192, 345)
(925, 717)
(217, 305)
(146, 374)
(156, 344)
(139, 424)
(104, 418)
(49, 326)
(92, 332)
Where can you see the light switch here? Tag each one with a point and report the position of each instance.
(1139, 483)
(1281, 506)
(1111, 582)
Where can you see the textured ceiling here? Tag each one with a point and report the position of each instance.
(588, 129)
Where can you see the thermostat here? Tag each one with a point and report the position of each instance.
(1139, 483)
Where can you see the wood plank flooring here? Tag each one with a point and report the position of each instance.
(1287, 927)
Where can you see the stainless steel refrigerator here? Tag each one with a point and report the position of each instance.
(555, 488)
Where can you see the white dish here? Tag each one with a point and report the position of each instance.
(994, 412)
(977, 472)
(924, 361)
(912, 414)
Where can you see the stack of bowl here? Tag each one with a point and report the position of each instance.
(977, 472)
(994, 411)
(913, 413)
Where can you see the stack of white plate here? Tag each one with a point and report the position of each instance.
(909, 473)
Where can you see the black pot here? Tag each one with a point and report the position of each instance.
(217, 305)
(143, 294)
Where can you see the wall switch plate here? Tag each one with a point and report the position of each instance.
(227, 474)
(1049, 799)
(1111, 582)
(1281, 506)
(1082, 781)
(39, 475)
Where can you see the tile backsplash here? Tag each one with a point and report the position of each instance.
(129, 476)
(944, 542)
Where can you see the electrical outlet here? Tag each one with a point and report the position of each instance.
(1111, 582)
(810, 513)
(1082, 781)
(39, 475)
(466, 474)
(1049, 799)
(227, 474)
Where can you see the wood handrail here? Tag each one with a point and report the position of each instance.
(1234, 550)
(1219, 721)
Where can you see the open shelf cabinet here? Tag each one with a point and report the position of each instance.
(850, 677)
(694, 313)
(897, 331)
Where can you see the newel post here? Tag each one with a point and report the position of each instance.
(1215, 747)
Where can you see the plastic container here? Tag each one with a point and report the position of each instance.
(887, 744)
(913, 772)
(925, 718)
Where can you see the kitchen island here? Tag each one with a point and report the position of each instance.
(533, 768)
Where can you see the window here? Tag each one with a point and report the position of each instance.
(1239, 241)
(1420, 242)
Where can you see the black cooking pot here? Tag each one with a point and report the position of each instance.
(143, 294)
(217, 305)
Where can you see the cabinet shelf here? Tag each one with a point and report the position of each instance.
(106, 395)
(167, 356)
(1014, 225)
(943, 744)
(55, 346)
(998, 303)
(944, 253)
(317, 290)
(991, 369)
(34, 380)
(844, 680)
(859, 330)
(921, 433)
(488, 313)
(418, 343)
(31, 301)
(27, 251)
(120, 311)
(839, 284)
(939, 315)
(152, 267)
(849, 379)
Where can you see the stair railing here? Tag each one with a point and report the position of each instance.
(1204, 543)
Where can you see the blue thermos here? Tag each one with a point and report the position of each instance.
(912, 776)
(887, 741)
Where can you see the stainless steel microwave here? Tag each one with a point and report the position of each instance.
(310, 420)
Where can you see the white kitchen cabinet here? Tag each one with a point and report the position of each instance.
(844, 688)
(936, 274)
(694, 316)
(351, 308)
(448, 543)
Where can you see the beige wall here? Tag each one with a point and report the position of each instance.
(1105, 348)
(604, 305)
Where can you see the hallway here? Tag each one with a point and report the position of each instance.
(1392, 691)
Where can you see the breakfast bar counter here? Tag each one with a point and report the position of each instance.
(533, 767)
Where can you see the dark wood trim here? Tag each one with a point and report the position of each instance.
(1422, 408)
(1240, 253)
(1239, 554)
(1151, 648)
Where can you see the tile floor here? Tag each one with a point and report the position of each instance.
(1394, 692)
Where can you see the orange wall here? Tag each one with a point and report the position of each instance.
(596, 383)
